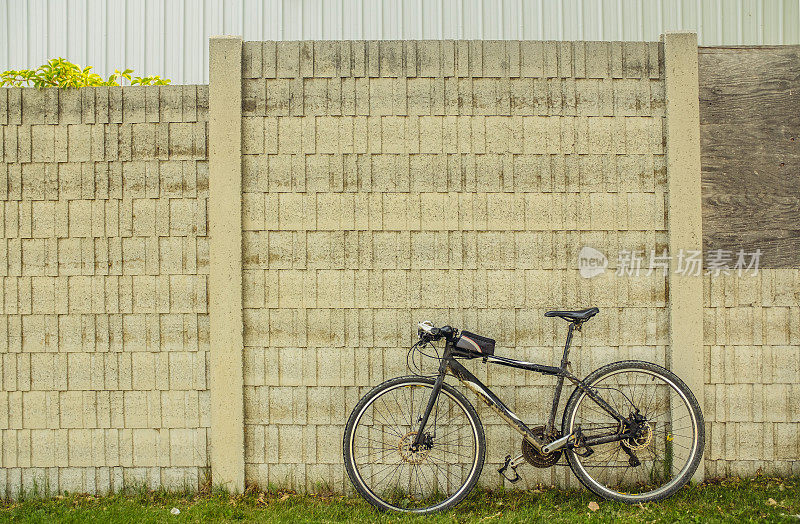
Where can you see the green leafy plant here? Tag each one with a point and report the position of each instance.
(61, 73)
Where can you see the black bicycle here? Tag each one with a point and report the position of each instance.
(631, 431)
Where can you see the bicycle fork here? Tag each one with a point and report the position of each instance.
(437, 387)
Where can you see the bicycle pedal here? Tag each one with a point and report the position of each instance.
(580, 442)
(509, 464)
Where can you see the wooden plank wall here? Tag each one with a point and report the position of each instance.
(750, 151)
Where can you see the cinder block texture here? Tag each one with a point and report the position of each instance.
(382, 183)
(390, 182)
(752, 363)
(104, 326)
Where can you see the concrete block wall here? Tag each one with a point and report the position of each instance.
(382, 183)
(752, 363)
(103, 324)
(389, 182)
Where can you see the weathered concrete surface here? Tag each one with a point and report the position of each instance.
(369, 185)
(684, 212)
(104, 256)
(389, 182)
(225, 262)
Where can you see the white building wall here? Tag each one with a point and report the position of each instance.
(170, 37)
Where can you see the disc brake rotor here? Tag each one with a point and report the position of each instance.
(642, 441)
(404, 448)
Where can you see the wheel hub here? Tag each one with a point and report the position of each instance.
(644, 436)
(410, 455)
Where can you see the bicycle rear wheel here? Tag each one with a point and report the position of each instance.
(378, 453)
(669, 428)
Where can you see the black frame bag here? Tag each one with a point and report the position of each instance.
(475, 344)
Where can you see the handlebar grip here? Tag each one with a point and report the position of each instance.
(444, 331)
(426, 326)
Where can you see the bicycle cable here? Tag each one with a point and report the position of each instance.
(621, 393)
(418, 349)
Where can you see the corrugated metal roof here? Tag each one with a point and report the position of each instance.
(170, 37)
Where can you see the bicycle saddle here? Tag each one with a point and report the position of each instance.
(574, 316)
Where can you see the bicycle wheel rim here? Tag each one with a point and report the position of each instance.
(677, 444)
(360, 470)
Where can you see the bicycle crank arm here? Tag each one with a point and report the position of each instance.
(557, 444)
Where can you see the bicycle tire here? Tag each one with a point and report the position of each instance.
(695, 419)
(369, 399)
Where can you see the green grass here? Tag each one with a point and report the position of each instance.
(758, 499)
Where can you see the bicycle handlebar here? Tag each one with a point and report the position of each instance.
(426, 327)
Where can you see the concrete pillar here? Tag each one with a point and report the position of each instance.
(225, 264)
(684, 215)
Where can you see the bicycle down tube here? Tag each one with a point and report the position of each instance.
(473, 384)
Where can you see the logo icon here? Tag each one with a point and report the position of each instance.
(591, 262)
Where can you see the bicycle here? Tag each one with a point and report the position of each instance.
(631, 431)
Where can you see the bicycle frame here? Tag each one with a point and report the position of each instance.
(449, 365)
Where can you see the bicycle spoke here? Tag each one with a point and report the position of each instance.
(385, 462)
(661, 455)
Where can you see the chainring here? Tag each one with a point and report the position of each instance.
(535, 457)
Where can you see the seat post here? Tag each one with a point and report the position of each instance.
(564, 358)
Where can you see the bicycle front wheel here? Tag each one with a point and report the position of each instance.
(664, 424)
(379, 455)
